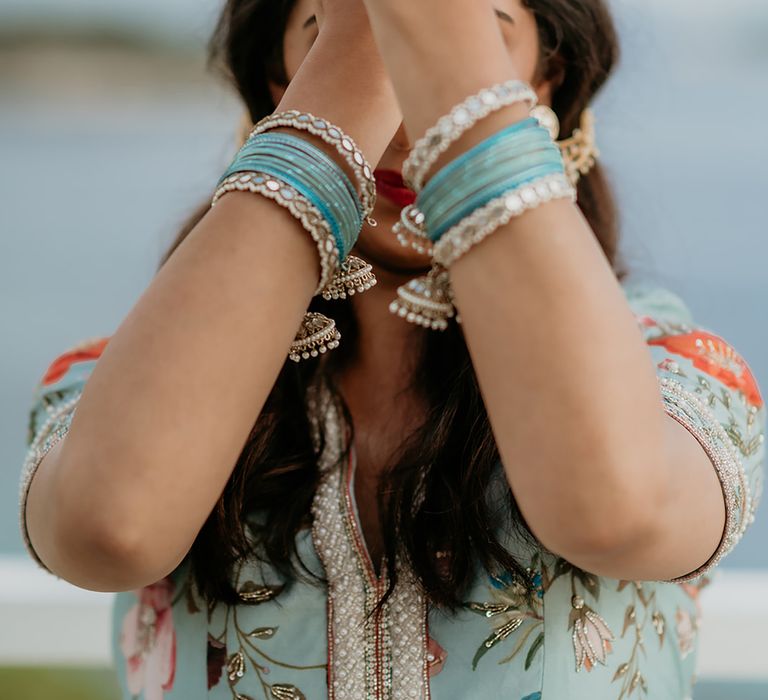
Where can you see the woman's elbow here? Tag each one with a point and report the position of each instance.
(106, 560)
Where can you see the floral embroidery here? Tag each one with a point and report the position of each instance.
(628, 672)
(687, 624)
(711, 354)
(436, 656)
(250, 654)
(591, 635)
(83, 352)
(686, 627)
(148, 641)
(518, 604)
(514, 602)
(216, 656)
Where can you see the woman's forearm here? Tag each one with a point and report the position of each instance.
(567, 381)
(165, 414)
(438, 53)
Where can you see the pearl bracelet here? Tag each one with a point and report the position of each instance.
(498, 212)
(461, 118)
(335, 137)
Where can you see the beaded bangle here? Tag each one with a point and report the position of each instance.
(335, 137)
(516, 169)
(318, 157)
(311, 185)
(299, 206)
(499, 164)
(498, 212)
(313, 173)
(477, 198)
(520, 138)
(322, 194)
(452, 126)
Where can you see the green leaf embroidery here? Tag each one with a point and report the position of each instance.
(534, 648)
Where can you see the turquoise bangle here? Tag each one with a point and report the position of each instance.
(503, 152)
(326, 193)
(298, 144)
(515, 134)
(313, 174)
(501, 163)
(483, 173)
(437, 230)
(299, 182)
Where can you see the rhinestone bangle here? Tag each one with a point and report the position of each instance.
(299, 206)
(498, 212)
(461, 118)
(333, 136)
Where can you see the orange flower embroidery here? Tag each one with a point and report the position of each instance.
(711, 354)
(88, 350)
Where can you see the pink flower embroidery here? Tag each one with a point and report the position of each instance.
(687, 625)
(148, 641)
(435, 656)
(591, 635)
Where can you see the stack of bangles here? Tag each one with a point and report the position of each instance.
(516, 169)
(296, 174)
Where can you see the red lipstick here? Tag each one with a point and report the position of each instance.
(390, 185)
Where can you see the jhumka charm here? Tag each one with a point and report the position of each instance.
(411, 232)
(353, 276)
(426, 301)
(316, 336)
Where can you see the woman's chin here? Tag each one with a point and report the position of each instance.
(379, 247)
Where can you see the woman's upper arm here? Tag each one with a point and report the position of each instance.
(709, 389)
(53, 404)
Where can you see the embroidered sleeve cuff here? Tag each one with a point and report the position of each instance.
(50, 433)
(690, 411)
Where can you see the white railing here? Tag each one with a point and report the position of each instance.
(44, 620)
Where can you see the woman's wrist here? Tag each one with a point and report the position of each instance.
(344, 80)
(438, 54)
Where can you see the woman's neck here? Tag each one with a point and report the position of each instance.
(376, 385)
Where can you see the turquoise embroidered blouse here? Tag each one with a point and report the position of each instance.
(576, 636)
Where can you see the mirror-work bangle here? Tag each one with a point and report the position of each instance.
(461, 118)
(333, 136)
(299, 206)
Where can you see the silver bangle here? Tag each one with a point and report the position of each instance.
(498, 212)
(333, 136)
(461, 118)
(299, 206)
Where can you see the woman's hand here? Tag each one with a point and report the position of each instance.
(343, 78)
(438, 53)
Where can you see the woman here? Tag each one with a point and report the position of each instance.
(525, 504)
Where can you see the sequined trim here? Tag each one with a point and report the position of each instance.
(691, 412)
(381, 657)
(52, 431)
(409, 635)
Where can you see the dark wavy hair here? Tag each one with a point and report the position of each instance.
(453, 450)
